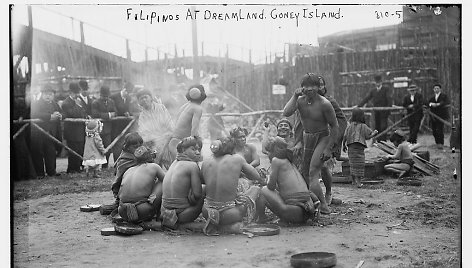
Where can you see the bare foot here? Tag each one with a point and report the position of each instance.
(324, 209)
(401, 174)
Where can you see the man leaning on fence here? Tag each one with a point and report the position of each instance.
(104, 108)
(413, 102)
(74, 132)
(438, 105)
(43, 150)
(380, 96)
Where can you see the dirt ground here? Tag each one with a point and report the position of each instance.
(384, 225)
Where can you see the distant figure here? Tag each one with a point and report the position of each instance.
(354, 140)
(182, 197)
(403, 156)
(190, 114)
(413, 102)
(74, 132)
(43, 150)
(104, 108)
(223, 206)
(85, 98)
(215, 124)
(381, 97)
(438, 105)
(122, 102)
(94, 151)
(155, 125)
(141, 189)
(286, 193)
(320, 129)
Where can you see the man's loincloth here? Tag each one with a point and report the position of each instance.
(303, 200)
(130, 211)
(214, 208)
(171, 208)
(310, 141)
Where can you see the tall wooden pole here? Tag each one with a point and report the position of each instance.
(196, 67)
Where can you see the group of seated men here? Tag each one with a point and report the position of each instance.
(185, 190)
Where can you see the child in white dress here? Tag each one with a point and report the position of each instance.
(94, 151)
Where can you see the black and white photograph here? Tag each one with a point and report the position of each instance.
(236, 135)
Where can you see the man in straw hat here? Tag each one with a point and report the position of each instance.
(413, 103)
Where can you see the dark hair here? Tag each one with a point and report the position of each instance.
(187, 142)
(284, 120)
(437, 84)
(132, 141)
(278, 147)
(358, 115)
(395, 137)
(129, 86)
(202, 94)
(225, 146)
(74, 88)
(310, 79)
(143, 92)
(235, 131)
(47, 88)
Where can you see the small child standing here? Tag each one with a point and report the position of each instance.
(94, 151)
(354, 139)
(403, 155)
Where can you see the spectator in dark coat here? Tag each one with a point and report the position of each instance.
(104, 108)
(122, 102)
(380, 97)
(84, 97)
(413, 102)
(74, 132)
(43, 149)
(439, 105)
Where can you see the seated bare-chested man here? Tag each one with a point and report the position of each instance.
(182, 197)
(318, 118)
(286, 193)
(141, 188)
(246, 150)
(189, 116)
(223, 205)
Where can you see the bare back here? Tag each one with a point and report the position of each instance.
(180, 178)
(188, 121)
(286, 176)
(138, 182)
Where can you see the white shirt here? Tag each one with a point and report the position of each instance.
(436, 96)
(84, 98)
(412, 98)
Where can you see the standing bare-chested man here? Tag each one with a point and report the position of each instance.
(222, 205)
(189, 117)
(318, 117)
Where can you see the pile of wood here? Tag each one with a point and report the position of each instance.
(421, 165)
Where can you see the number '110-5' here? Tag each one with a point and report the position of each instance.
(387, 14)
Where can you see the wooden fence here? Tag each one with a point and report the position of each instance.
(349, 75)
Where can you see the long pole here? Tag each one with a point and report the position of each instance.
(55, 140)
(196, 67)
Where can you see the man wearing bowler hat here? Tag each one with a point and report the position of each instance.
(74, 132)
(84, 97)
(122, 102)
(43, 150)
(413, 103)
(104, 108)
(380, 96)
(439, 105)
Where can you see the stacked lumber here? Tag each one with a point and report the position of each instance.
(422, 165)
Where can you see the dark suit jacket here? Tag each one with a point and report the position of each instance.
(101, 109)
(442, 111)
(88, 105)
(381, 98)
(417, 104)
(43, 110)
(74, 131)
(121, 106)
